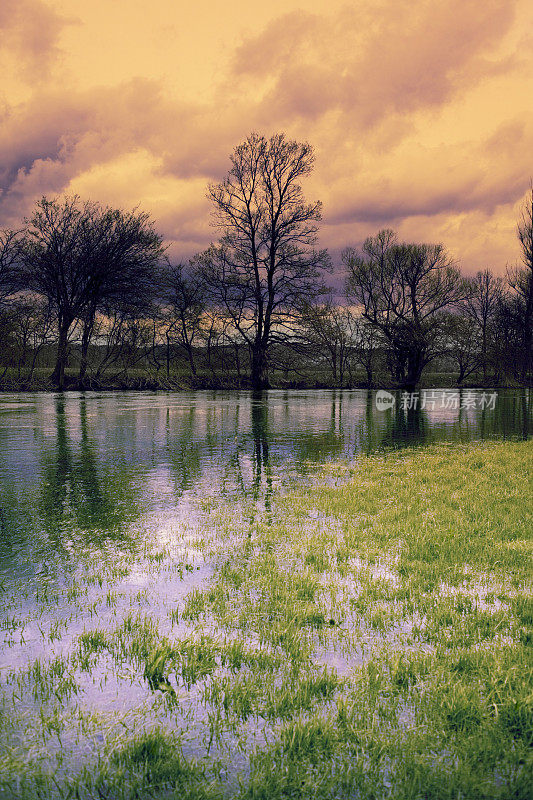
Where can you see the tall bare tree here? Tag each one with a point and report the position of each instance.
(53, 268)
(404, 290)
(265, 263)
(486, 291)
(520, 280)
(121, 252)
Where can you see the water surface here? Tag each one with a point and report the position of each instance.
(82, 471)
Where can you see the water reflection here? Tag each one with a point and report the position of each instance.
(184, 453)
(325, 440)
(80, 470)
(262, 467)
(79, 495)
(405, 427)
(60, 497)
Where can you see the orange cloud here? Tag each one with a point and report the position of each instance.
(371, 64)
(29, 33)
(417, 111)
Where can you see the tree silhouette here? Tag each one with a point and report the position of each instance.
(83, 257)
(404, 291)
(265, 263)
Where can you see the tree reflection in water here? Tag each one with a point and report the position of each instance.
(261, 461)
(83, 500)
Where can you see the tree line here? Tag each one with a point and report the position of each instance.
(88, 291)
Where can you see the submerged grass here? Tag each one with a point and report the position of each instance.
(371, 639)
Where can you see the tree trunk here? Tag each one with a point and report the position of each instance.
(237, 361)
(36, 352)
(58, 375)
(259, 363)
(484, 354)
(413, 373)
(190, 356)
(369, 375)
(168, 355)
(85, 342)
(209, 347)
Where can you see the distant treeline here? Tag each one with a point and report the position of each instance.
(89, 299)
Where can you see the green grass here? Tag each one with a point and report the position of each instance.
(371, 640)
(443, 706)
(153, 762)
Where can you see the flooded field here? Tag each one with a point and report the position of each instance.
(190, 596)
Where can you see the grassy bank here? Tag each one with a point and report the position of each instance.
(182, 380)
(368, 636)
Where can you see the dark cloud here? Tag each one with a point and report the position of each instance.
(54, 137)
(47, 141)
(358, 84)
(388, 208)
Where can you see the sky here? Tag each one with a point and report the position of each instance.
(420, 113)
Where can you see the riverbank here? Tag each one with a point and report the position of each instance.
(368, 635)
(144, 380)
(151, 384)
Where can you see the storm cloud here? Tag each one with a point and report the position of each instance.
(416, 113)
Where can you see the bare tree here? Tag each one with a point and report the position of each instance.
(222, 344)
(465, 345)
(520, 280)
(10, 278)
(481, 306)
(121, 252)
(265, 263)
(85, 258)
(183, 299)
(109, 330)
(53, 268)
(368, 342)
(33, 326)
(330, 329)
(9, 283)
(507, 347)
(135, 343)
(404, 290)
